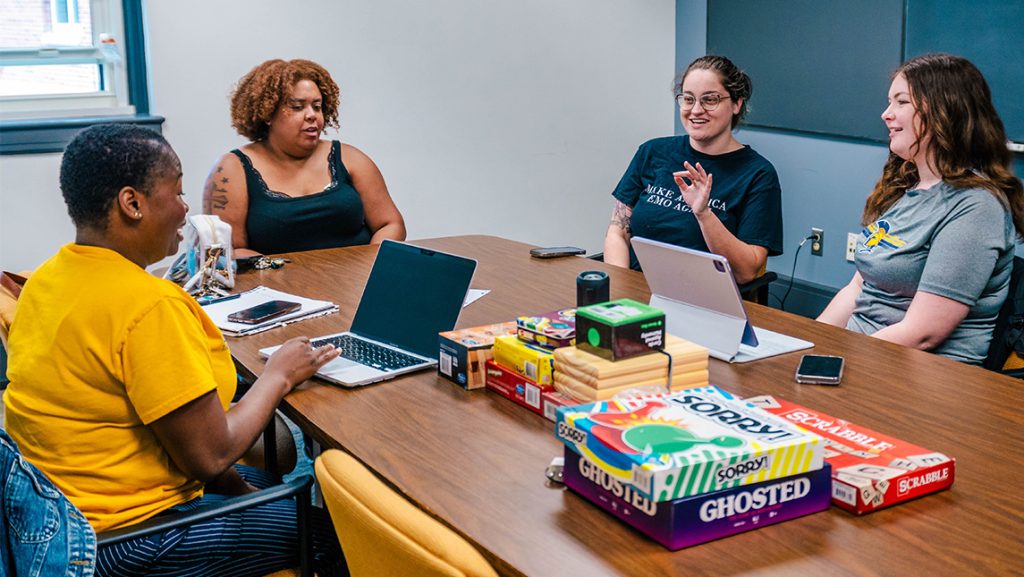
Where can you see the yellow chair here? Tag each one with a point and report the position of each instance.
(383, 534)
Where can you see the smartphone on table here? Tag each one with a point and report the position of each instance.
(820, 370)
(263, 312)
(556, 251)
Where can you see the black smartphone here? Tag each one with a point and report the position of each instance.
(556, 251)
(263, 312)
(820, 370)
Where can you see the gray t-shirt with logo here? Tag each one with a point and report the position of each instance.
(946, 241)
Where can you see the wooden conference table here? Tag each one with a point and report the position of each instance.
(476, 461)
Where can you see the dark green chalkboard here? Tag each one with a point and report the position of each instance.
(819, 66)
(990, 33)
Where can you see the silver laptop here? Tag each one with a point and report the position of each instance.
(702, 303)
(412, 294)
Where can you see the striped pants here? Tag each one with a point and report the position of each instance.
(250, 543)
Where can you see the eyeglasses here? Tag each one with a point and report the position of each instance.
(708, 102)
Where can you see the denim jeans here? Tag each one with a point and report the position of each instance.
(41, 532)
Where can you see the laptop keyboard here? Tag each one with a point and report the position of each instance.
(367, 353)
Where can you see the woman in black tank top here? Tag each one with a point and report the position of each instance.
(289, 190)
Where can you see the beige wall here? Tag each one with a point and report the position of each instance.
(507, 118)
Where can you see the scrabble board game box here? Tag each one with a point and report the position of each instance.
(516, 387)
(693, 520)
(870, 470)
(694, 441)
(463, 352)
(552, 330)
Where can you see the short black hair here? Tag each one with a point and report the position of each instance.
(102, 159)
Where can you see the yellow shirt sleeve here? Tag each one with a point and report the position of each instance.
(167, 360)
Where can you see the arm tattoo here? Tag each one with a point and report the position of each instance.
(621, 216)
(215, 197)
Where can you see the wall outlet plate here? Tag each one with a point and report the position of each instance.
(851, 245)
(817, 245)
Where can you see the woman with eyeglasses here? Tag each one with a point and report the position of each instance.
(704, 190)
(936, 253)
(290, 190)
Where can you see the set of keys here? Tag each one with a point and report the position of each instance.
(264, 262)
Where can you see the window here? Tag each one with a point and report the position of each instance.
(65, 64)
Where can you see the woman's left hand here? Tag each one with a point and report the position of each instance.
(695, 185)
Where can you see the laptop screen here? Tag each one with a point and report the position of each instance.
(412, 294)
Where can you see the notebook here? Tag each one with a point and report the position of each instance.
(412, 294)
(221, 308)
(702, 303)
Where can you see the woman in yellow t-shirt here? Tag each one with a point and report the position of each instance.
(120, 383)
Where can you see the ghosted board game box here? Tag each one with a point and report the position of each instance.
(694, 441)
(693, 520)
(870, 470)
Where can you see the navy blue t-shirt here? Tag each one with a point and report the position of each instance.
(745, 195)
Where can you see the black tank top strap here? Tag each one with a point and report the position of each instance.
(339, 173)
(278, 223)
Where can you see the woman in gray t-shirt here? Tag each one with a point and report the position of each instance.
(934, 258)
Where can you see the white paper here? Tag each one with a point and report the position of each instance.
(219, 311)
(473, 295)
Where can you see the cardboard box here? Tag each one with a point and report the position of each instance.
(463, 353)
(700, 518)
(515, 387)
(870, 470)
(534, 362)
(553, 330)
(551, 400)
(620, 329)
(695, 441)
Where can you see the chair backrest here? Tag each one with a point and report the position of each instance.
(1008, 334)
(384, 534)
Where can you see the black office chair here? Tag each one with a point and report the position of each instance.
(3, 368)
(1008, 334)
(299, 489)
(755, 291)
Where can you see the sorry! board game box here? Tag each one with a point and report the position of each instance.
(694, 441)
(869, 470)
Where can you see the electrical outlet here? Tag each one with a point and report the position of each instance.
(817, 243)
(851, 245)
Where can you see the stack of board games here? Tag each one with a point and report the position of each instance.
(692, 466)
(586, 377)
(522, 368)
(463, 353)
(870, 470)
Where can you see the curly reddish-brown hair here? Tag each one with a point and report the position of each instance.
(260, 92)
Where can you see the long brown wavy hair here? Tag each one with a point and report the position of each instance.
(968, 141)
(260, 93)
